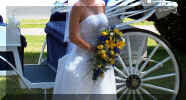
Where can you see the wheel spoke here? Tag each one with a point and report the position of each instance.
(118, 84)
(155, 67)
(140, 51)
(139, 94)
(149, 57)
(128, 95)
(148, 93)
(120, 78)
(120, 89)
(123, 93)
(123, 65)
(159, 77)
(134, 95)
(120, 72)
(129, 54)
(158, 88)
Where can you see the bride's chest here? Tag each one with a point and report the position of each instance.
(94, 23)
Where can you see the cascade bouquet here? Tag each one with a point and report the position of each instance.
(109, 44)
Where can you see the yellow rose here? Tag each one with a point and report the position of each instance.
(100, 46)
(104, 33)
(103, 51)
(116, 31)
(104, 56)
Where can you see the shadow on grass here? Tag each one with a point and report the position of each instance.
(32, 57)
(181, 57)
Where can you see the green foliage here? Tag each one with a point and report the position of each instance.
(172, 27)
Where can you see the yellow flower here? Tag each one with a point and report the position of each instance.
(103, 52)
(110, 38)
(116, 31)
(120, 44)
(100, 46)
(112, 45)
(99, 66)
(121, 34)
(107, 41)
(112, 53)
(104, 33)
(112, 61)
(104, 56)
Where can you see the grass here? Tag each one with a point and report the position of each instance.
(41, 23)
(32, 51)
(30, 23)
(10, 84)
(139, 23)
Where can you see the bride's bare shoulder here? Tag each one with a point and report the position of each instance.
(102, 2)
(77, 7)
(78, 4)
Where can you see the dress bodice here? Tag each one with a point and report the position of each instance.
(91, 27)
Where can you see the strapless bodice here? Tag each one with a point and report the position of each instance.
(91, 27)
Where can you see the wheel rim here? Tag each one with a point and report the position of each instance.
(151, 73)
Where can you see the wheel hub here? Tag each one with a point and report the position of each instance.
(133, 82)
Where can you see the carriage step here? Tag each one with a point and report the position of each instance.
(39, 73)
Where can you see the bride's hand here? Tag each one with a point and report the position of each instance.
(92, 49)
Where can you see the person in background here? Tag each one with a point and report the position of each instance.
(1, 21)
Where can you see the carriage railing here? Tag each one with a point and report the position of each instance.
(127, 8)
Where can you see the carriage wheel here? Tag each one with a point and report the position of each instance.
(146, 69)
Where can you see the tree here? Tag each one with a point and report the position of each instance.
(172, 27)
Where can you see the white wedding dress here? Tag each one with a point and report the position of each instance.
(74, 74)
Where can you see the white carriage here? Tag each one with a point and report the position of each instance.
(146, 67)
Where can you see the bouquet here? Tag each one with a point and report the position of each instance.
(109, 44)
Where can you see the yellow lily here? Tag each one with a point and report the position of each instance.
(116, 31)
(100, 46)
(104, 56)
(104, 33)
(120, 44)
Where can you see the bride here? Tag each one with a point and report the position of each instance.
(74, 74)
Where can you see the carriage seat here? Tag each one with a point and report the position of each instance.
(56, 47)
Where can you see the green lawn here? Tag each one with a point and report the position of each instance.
(10, 85)
(41, 23)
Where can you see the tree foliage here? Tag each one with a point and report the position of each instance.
(172, 27)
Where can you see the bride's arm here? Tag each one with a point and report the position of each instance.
(74, 28)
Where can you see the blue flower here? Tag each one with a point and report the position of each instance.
(102, 38)
(116, 50)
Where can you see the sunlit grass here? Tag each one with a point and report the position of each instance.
(145, 22)
(41, 23)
